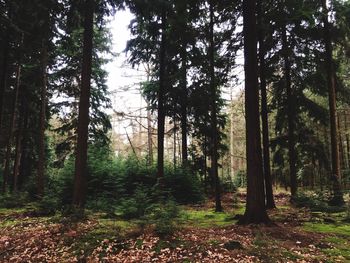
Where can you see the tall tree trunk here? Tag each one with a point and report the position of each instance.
(205, 163)
(3, 76)
(347, 139)
(184, 149)
(4, 68)
(149, 135)
(25, 162)
(255, 207)
(331, 83)
(6, 175)
(270, 202)
(183, 82)
(214, 124)
(232, 158)
(161, 98)
(174, 142)
(290, 114)
(79, 194)
(19, 150)
(341, 148)
(43, 99)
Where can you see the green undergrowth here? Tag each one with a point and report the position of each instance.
(338, 241)
(206, 218)
(337, 229)
(340, 247)
(105, 231)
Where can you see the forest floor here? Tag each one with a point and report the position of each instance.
(298, 235)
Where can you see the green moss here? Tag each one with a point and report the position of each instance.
(214, 242)
(340, 247)
(202, 218)
(335, 253)
(8, 223)
(9, 211)
(343, 230)
(106, 229)
(286, 254)
(172, 244)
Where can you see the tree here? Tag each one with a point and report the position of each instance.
(213, 112)
(83, 121)
(331, 84)
(270, 202)
(255, 207)
(161, 96)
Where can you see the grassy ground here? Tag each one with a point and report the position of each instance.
(201, 236)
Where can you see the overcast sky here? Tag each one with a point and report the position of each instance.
(122, 80)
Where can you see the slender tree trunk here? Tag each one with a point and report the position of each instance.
(161, 98)
(149, 135)
(43, 99)
(341, 148)
(347, 140)
(11, 130)
(290, 114)
(270, 202)
(331, 83)
(184, 150)
(232, 158)
(19, 150)
(183, 82)
(214, 139)
(255, 206)
(3, 76)
(4, 68)
(24, 163)
(174, 142)
(205, 163)
(79, 194)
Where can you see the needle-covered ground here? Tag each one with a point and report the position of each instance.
(201, 235)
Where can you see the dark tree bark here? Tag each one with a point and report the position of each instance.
(149, 135)
(4, 69)
(6, 175)
(43, 99)
(290, 115)
(19, 151)
(183, 85)
(341, 148)
(270, 202)
(214, 124)
(161, 98)
(184, 148)
(79, 194)
(331, 83)
(3, 76)
(255, 207)
(25, 162)
(347, 139)
(174, 142)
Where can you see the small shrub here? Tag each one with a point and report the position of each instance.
(239, 179)
(48, 205)
(72, 214)
(316, 201)
(137, 205)
(165, 218)
(15, 200)
(183, 186)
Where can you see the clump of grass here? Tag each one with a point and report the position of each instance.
(205, 219)
(342, 230)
